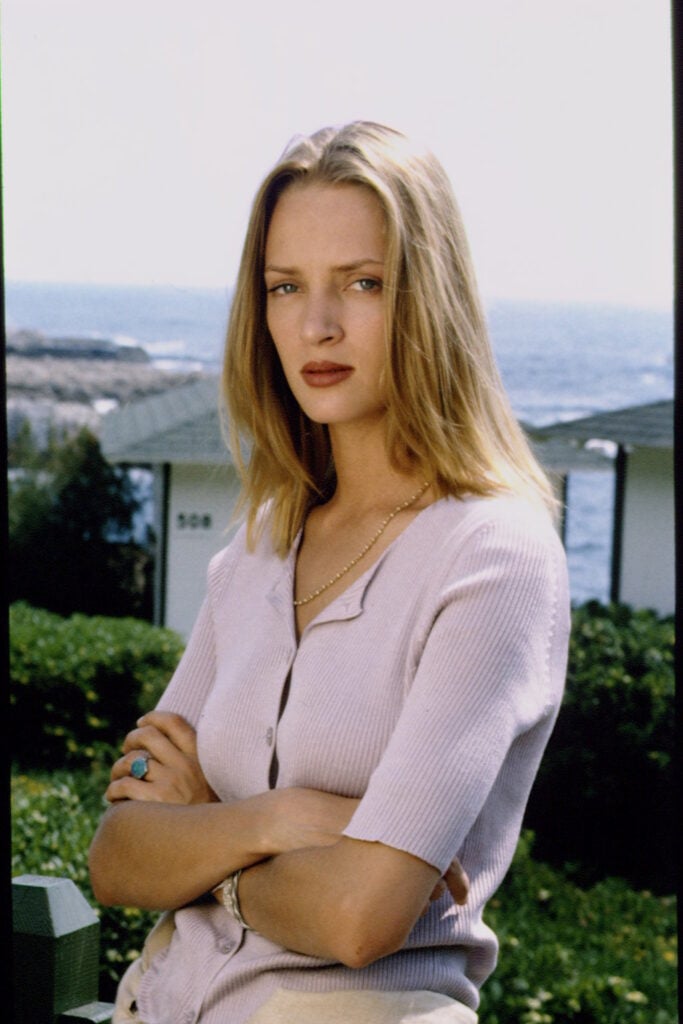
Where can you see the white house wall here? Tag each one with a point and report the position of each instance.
(647, 567)
(201, 500)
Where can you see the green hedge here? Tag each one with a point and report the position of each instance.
(568, 956)
(609, 763)
(54, 817)
(81, 682)
(597, 954)
(602, 955)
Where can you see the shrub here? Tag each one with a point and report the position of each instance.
(606, 955)
(567, 956)
(81, 682)
(42, 844)
(610, 759)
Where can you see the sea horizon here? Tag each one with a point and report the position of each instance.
(550, 301)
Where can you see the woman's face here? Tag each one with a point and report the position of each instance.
(324, 271)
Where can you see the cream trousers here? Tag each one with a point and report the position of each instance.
(288, 1007)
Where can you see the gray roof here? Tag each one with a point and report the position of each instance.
(643, 426)
(179, 425)
(560, 455)
(183, 425)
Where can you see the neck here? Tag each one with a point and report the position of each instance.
(365, 477)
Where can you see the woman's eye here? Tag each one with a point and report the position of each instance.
(367, 284)
(286, 288)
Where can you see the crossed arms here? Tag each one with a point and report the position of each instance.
(166, 841)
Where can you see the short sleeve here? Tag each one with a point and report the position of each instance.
(483, 699)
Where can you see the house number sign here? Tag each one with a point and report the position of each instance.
(193, 521)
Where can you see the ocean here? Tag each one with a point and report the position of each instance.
(558, 362)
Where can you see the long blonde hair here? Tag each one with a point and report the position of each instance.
(448, 416)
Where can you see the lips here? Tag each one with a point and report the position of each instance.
(324, 374)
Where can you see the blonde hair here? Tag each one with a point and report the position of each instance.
(448, 417)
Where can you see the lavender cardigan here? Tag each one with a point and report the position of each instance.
(429, 688)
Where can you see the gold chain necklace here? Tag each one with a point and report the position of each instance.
(363, 551)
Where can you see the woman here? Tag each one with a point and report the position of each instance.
(380, 659)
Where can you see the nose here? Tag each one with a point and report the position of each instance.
(321, 320)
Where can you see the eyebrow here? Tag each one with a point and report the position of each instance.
(344, 267)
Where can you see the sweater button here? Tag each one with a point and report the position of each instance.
(227, 946)
(269, 736)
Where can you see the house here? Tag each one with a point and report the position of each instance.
(178, 435)
(643, 546)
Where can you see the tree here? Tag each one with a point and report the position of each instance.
(71, 533)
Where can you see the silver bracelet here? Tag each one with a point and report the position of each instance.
(230, 899)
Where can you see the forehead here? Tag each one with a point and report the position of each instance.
(329, 217)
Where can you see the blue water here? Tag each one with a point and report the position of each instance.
(558, 362)
(172, 323)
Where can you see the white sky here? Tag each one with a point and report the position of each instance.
(135, 132)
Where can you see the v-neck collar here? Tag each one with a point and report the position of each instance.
(347, 605)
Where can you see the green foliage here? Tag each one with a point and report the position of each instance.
(606, 955)
(567, 956)
(54, 818)
(596, 952)
(22, 450)
(71, 517)
(610, 759)
(81, 682)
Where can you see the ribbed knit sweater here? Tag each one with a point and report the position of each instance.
(429, 689)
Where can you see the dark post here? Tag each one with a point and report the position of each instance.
(620, 463)
(564, 507)
(162, 497)
(56, 937)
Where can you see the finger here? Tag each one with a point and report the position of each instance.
(163, 749)
(128, 788)
(121, 768)
(161, 786)
(179, 779)
(123, 785)
(155, 785)
(181, 734)
(457, 881)
(438, 891)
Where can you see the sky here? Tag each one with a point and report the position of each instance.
(135, 133)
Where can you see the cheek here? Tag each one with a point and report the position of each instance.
(377, 342)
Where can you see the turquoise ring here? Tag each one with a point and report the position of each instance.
(140, 766)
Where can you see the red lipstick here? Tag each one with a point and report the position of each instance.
(324, 374)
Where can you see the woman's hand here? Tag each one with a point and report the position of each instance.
(454, 881)
(306, 817)
(174, 774)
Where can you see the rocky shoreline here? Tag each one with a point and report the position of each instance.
(64, 384)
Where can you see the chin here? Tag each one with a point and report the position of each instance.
(349, 420)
